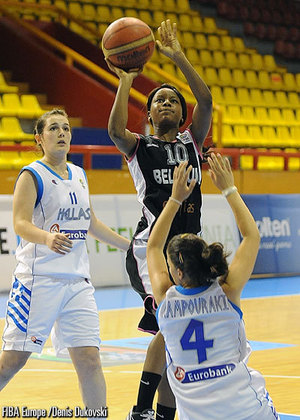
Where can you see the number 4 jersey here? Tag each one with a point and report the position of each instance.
(207, 352)
(63, 206)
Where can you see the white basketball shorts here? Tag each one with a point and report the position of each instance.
(38, 304)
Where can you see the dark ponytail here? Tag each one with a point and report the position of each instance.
(200, 263)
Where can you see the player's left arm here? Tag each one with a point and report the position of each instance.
(105, 234)
(157, 266)
(202, 113)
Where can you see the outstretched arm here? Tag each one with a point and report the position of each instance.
(157, 266)
(170, 46)
(123, 138)
(243, 262)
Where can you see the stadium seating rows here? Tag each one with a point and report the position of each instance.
(253, 90)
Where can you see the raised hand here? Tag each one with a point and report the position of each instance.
(168, 44)
(220, 171)
(122, 74)
(181, 189)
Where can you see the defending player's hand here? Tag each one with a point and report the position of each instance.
(59, 243)
(168, 44)
(181, 188)
(220, 171)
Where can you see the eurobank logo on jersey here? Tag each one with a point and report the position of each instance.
(277, 218)
(73, 234)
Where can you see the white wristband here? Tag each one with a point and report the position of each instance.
(176, 201)
(229, 191)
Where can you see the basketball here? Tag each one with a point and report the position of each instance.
(128, 43)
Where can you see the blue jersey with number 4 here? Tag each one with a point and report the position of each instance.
(207, 352)
(63, 206)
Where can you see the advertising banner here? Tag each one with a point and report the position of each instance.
(278, 219)
(120, 212)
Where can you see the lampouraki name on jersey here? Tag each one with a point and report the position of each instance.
(165, 176)
(179, 307)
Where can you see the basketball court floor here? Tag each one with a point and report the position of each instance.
(271, 310)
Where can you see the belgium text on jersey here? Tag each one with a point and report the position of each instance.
(53, 412)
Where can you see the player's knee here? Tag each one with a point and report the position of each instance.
(11, 363)
(88, 361)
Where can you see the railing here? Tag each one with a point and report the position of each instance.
(88, 151)
(71, 55)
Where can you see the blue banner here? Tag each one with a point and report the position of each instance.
(278, 219)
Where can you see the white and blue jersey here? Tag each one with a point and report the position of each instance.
(63, 206)
(207, 352)
(51, 291)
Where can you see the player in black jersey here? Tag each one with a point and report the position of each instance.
(151, 160)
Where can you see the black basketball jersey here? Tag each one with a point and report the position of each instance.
(152, 166)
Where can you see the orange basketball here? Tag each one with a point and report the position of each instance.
(128, 43)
